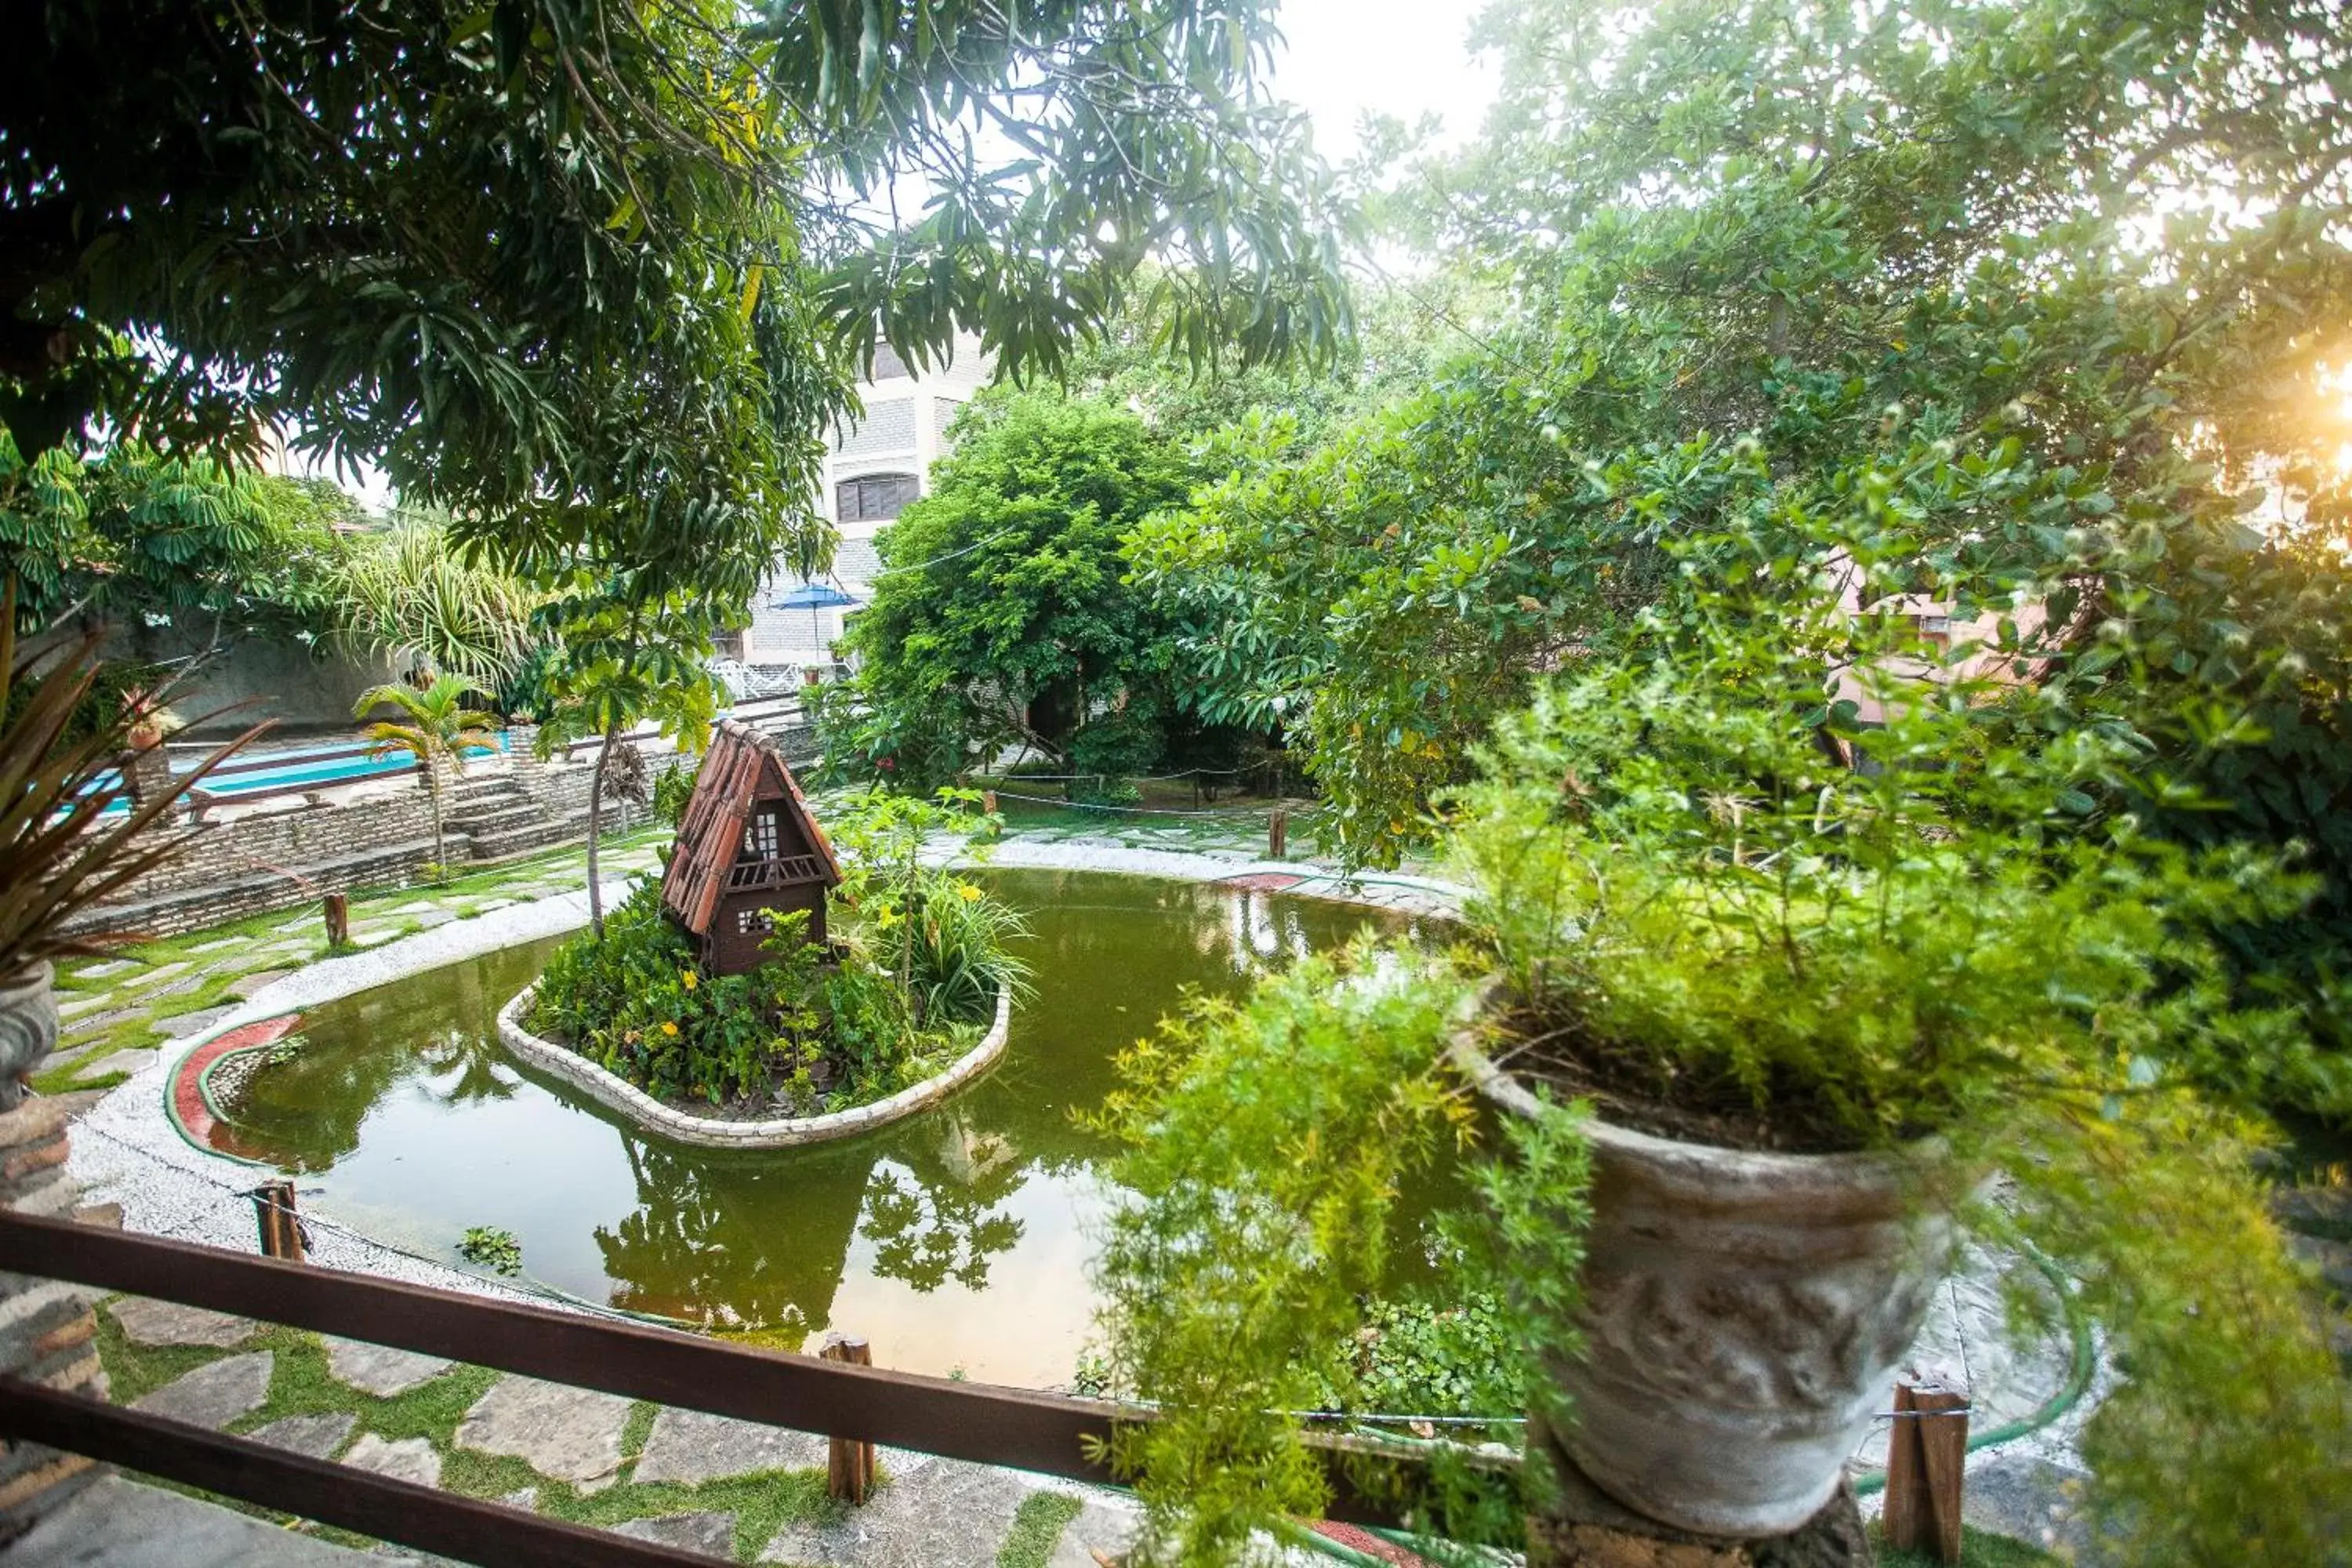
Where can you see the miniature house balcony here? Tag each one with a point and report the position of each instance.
(782, 872)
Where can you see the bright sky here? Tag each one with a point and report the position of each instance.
(1405, 58)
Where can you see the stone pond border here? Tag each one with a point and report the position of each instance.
(617, 1093)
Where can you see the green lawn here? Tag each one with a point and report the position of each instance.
(283, 939)
(1978, 1549)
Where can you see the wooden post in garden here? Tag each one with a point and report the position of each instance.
(849, 1464)
(1278, 834)
(988, 801)
(281, 1229)
(1925, 1455)
(339, 919)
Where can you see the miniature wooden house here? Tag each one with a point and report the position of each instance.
(746, 846)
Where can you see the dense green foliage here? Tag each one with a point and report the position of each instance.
(1265, 1144)
(673, 788)
(944, 939)
(408, 594)
(127, 533)
(1398, 340)
(1413, 1357)
(636, 1003)
(1683, 865)
(1727, 908)
(1002, 617)
(2048, 289)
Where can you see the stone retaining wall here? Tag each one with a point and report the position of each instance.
(255, 864)
(262, 860)
(708, 1132)
(48, 1332)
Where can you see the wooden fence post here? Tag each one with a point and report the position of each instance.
(1925, 1455)
(849, 1464)
(1278, 834)
(282, 1228)
(339, 919)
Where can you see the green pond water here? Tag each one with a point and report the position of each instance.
(955, 1239)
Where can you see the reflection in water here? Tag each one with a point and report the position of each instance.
(958, 1239)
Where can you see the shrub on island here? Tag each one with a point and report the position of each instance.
(906, 984)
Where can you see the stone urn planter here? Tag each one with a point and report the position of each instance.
(1743, 1315)
(28, 1030)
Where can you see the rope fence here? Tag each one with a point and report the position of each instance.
(1230, 814)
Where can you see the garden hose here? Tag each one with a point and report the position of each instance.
(2082, 1364)
(2078, 1378)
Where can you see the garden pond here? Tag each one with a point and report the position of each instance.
(956, 1240)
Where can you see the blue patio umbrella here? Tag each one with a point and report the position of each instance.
(813, 597)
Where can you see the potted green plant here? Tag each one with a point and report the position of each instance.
(71, 833)
(1789, 938)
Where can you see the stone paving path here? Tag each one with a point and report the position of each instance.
(679, 1476)
(118, 1523)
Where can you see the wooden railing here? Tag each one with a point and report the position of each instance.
(1045, 1433)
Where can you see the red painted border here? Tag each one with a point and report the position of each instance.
(183, 1094)
(1263, 881)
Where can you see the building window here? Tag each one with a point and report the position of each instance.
(748, 922)
(888, 365)
(873, 498)
(760, 841)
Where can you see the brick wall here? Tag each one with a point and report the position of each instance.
(48, 1332)
(290, 839)
(265, 861)
(255, 864)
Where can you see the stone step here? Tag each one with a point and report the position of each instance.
(470, 791)
(496, 816)
(118, 1523)
(521, 840)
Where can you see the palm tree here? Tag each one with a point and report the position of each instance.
(437, 724)
(410, 595)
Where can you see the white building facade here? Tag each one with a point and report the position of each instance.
(873, 466)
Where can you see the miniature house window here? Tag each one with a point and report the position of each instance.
(760, 837)
(749, 921)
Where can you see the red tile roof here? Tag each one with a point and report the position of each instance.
(744, 769)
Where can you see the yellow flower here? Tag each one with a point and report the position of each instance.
(689, 978)
(670, 1029)
(966, 892)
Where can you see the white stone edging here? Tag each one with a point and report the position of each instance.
(712, 1133)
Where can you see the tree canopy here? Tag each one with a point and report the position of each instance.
(1001, 615)
(590, 274)
(2035, 302)
(132, 533)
